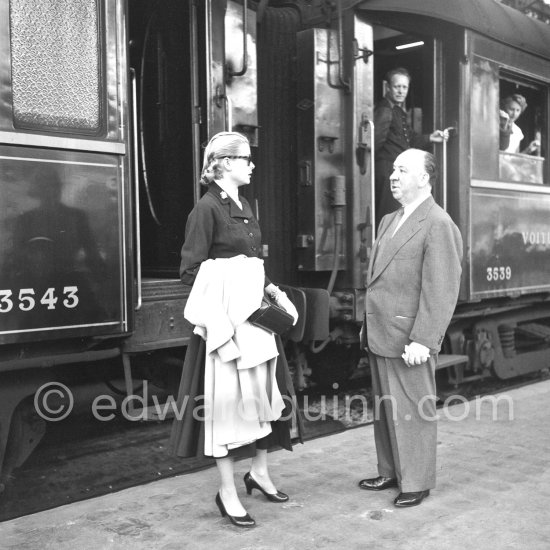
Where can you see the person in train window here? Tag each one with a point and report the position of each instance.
(236, 387)
(511, 108)
(393, 135)
(413, 281)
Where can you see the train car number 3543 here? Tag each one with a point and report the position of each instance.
(27, 300)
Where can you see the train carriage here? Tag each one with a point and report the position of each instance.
(105, 106)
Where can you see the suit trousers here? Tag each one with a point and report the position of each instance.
(405, 423)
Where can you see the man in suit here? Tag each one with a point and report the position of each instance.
(413, 281)
(393, 135)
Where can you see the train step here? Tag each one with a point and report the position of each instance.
(449, 360)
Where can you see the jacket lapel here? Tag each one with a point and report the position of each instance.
(234, 210)
(410, 226)
(376, 252)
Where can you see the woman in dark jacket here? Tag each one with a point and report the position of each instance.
(222, 225)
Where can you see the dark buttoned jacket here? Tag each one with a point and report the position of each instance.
(392, 132)
(413, 281)
(218, 228)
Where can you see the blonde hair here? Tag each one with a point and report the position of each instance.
(517, 98)
(223, 144)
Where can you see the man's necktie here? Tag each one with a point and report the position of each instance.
(395, 222)
(389, 233)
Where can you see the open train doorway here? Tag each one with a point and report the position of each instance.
(161, 58)
(419, 55)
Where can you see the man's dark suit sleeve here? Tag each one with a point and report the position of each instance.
(441, 272)
(382, 121)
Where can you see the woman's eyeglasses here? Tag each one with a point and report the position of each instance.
(248, 158)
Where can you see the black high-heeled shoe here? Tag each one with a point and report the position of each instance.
(239, 521)
(250, 483)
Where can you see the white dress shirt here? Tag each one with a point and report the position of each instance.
(408, 210)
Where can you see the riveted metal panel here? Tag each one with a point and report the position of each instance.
(320, 148)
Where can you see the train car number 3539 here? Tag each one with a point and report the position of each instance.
(499, 273)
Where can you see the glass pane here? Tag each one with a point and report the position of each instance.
(55, 64)
(521, 168)
(484, 121)
(242, 90)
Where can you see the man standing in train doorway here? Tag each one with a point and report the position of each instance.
(393, 135)
(413, 281)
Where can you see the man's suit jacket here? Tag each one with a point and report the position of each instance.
(392, 132)
(413, 281)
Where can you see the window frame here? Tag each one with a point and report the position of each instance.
(536, 93)
(523, 83)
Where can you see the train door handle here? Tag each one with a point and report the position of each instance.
(221, 99)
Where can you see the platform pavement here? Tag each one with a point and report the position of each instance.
(493, 492)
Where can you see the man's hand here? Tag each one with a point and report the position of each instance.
(439, 136)
(415, 354)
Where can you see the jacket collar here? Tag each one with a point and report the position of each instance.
(234, 211)
(410, 226)
(393, 104)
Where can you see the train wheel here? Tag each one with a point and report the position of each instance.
(334, 364)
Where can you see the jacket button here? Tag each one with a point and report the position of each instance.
(251, 234)
(245, 221)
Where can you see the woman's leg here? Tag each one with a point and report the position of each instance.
(228, 491)
(260, 473)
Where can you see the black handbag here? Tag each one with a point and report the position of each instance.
(271, 317)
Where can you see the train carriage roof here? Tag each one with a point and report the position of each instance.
(487, 17)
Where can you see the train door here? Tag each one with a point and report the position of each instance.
(334, 141)
(176, 59)
(177, 53)
(64, 198)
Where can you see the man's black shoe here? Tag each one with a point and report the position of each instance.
(404, 500)
(378, 483)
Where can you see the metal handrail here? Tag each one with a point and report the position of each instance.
(450, 129)
(245, 47)
(345, 84)
(136, 188)
(229, 113)
(444, 174)
(370, 123)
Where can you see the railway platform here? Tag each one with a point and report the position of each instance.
(493, 491)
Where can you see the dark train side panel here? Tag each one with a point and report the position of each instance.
(62, 245)
(64, 171)
(509, 241)
(505, 198)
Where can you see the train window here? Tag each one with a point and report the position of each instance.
(508, 121)
(56, 65)
(521, 123)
